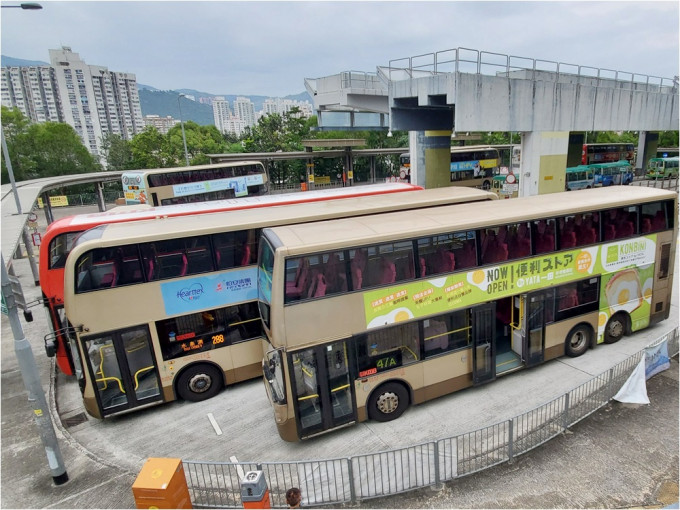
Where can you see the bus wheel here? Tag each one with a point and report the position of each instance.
(486, 185)
(615, 328)
(578, 341)
(388, 402)
(199, 382)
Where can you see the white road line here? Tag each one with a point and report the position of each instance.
(217, 428)
(239, 469)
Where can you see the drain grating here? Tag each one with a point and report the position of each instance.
(72, 421)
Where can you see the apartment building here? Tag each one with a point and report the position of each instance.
(162, 124)
(92, 99)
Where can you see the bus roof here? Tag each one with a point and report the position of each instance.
(328, 235)
(163, 228)
(611, 164)
(146, 212)
(191, 168)
(672, 158)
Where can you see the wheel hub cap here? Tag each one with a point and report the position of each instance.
(388, 403)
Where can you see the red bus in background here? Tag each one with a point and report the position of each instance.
(607, 153)
(60, 235)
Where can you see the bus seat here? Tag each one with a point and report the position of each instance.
(496, 252)
(115, 275)
(467, 258)
(569, 300)
(520, 247)
(436, 337)
(646, 225)
(587, 236)
(357, 277)
(446, 261)
(388, 271)
(568, 239)
(625, 229)
(423, 268)
(317, 286)
(295, 288)
(609, 232)
(659, 222)
(149, 274)
(245, 260)
(185, 265)
(545, 243)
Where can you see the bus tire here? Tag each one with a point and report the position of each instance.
(199, 382)
(616, 327)
(388, 402)
(578, 340)
(486, 185)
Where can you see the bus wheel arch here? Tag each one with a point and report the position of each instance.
(388, 401)
(617, 326)
(199, 382)
(578, 340)
(486, 185)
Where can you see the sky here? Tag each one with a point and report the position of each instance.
(269, 48)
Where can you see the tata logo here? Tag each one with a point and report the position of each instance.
(191, 293)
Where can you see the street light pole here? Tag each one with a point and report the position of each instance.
(184, 137)
(31, 6)
(31, 378)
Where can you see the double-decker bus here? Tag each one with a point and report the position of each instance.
(453, 297)
(168, 307)
(607, 152)
(474, 165)
(579, 177)
(608, 174)
(59, 236)
(662, 168)
(167, 186)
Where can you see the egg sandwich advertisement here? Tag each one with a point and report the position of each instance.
(626, 267)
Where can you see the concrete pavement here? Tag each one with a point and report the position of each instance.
(619, 457)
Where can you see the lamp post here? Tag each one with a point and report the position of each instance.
(184, 137)
(31, 6)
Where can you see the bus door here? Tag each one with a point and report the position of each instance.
(123, 369)
(484, 343)
(322, 388)
(529, 331)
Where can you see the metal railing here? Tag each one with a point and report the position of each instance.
(467, 60)
(350, 480)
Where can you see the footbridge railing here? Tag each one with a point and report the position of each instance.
(349, 480)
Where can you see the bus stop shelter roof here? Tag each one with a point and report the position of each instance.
(334, 142)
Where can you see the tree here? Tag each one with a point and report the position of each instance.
(117, 152)
(43, 149)
(150, 149)
(201, 141)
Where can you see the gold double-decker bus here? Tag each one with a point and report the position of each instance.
(409, 306)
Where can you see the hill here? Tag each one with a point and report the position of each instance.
(6, 61)
(164, 103)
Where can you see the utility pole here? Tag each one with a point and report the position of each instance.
(29, 373)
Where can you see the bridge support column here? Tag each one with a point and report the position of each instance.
(430, 158)
(47, 207)
(99, 192)
(647, 145)
(544, 161)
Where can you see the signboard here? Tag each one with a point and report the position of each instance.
(58, 201)
(134, 188)
(323, 179)
(439, 295)
(212, 291)
(238, 184)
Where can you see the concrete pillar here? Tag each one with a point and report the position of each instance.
(430, 158)
(47, 207)
(99, 191)
(647, 145)
(544, 161)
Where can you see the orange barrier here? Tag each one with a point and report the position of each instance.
(161, 484)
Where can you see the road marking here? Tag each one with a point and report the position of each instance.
(239, 469)
(217, 428)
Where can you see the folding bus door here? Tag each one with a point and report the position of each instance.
(322, 388)
(484, 343)
(122, 366)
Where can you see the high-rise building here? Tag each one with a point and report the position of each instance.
(34, 91)
(244, 109)
(92, 99)
(221, 113)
